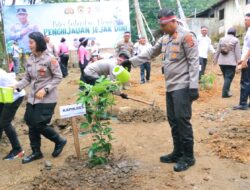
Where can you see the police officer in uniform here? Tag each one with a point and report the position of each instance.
(20, 31)
(181, 67)
(245, 72)
(125, 45)
(43, 74)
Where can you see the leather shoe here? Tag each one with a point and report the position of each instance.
(183, 164)
(32, 157)
(170, 158)
(59, 148)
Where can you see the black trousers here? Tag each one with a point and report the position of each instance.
(7, 114)
(64, 59)
(228, 75)
(147, 67)
(88, 79)
(203, 65)
(245, 85)
(179, 112)
(38, 117)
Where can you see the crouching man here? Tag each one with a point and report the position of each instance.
(105, 68)
(181, 68)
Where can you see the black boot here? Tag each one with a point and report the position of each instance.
(184, 163)
(186, 160)
(175, 155)
(171, 158)
(59, 147)
(52, 135)
(36, 154)
(177, 152)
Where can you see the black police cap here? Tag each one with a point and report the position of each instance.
(21, 11)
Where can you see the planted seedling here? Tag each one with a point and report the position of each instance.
(97, 99)
(207, 81)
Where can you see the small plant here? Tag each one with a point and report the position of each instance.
(97, 99)
(207, 81)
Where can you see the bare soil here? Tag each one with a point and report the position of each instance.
(222, 141)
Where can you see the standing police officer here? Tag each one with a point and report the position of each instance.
(181, 67)
(20, 31)
(43, 75)
(125, 45)
(245, 66)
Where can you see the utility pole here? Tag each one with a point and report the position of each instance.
(142, 30)
(182, 14)
(159, 3)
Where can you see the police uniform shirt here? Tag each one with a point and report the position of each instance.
(180, 58)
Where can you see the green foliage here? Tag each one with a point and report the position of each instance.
(97, 99)
(150, 10)
(207, 81)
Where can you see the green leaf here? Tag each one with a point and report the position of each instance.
(85, 125)
(89, 118)
(110, 137)
(86, 132)
(97, 137)
(102, 160)
(107, 147)
(107, 130)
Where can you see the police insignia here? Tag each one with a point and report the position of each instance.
(189, 40)
(54, 62)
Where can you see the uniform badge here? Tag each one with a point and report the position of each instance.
(42, 72)
(173, 55)
(54, 61)
(189, 40)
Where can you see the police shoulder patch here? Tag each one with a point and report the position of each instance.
(54, 61)
(189, 40)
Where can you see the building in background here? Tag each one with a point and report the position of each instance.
(220, 16)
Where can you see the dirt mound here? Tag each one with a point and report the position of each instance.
(147, 115)
(76, 175)
(233, 142)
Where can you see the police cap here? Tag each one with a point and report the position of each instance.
(21, 11)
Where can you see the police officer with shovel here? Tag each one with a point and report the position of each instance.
(181, 67)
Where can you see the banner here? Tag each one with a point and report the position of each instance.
(104, 22)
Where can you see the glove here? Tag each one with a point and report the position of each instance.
(124, 96)
(127, 65)
(193, 94)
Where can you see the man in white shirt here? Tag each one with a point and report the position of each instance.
(204, 45)
(143, 46)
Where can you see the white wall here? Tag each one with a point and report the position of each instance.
(196, 23)
(232, 16)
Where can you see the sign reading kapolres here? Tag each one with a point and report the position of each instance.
(103, 21)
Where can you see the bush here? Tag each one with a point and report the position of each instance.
(207, 81)
(97, 100)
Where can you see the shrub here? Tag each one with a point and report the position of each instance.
(97, 99)
(207, 81)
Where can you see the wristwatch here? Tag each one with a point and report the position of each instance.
(46, 90)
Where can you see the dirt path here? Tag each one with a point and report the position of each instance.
(222, 141)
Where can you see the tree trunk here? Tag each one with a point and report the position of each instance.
(142, 30)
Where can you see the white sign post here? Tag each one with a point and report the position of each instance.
(71, 111)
